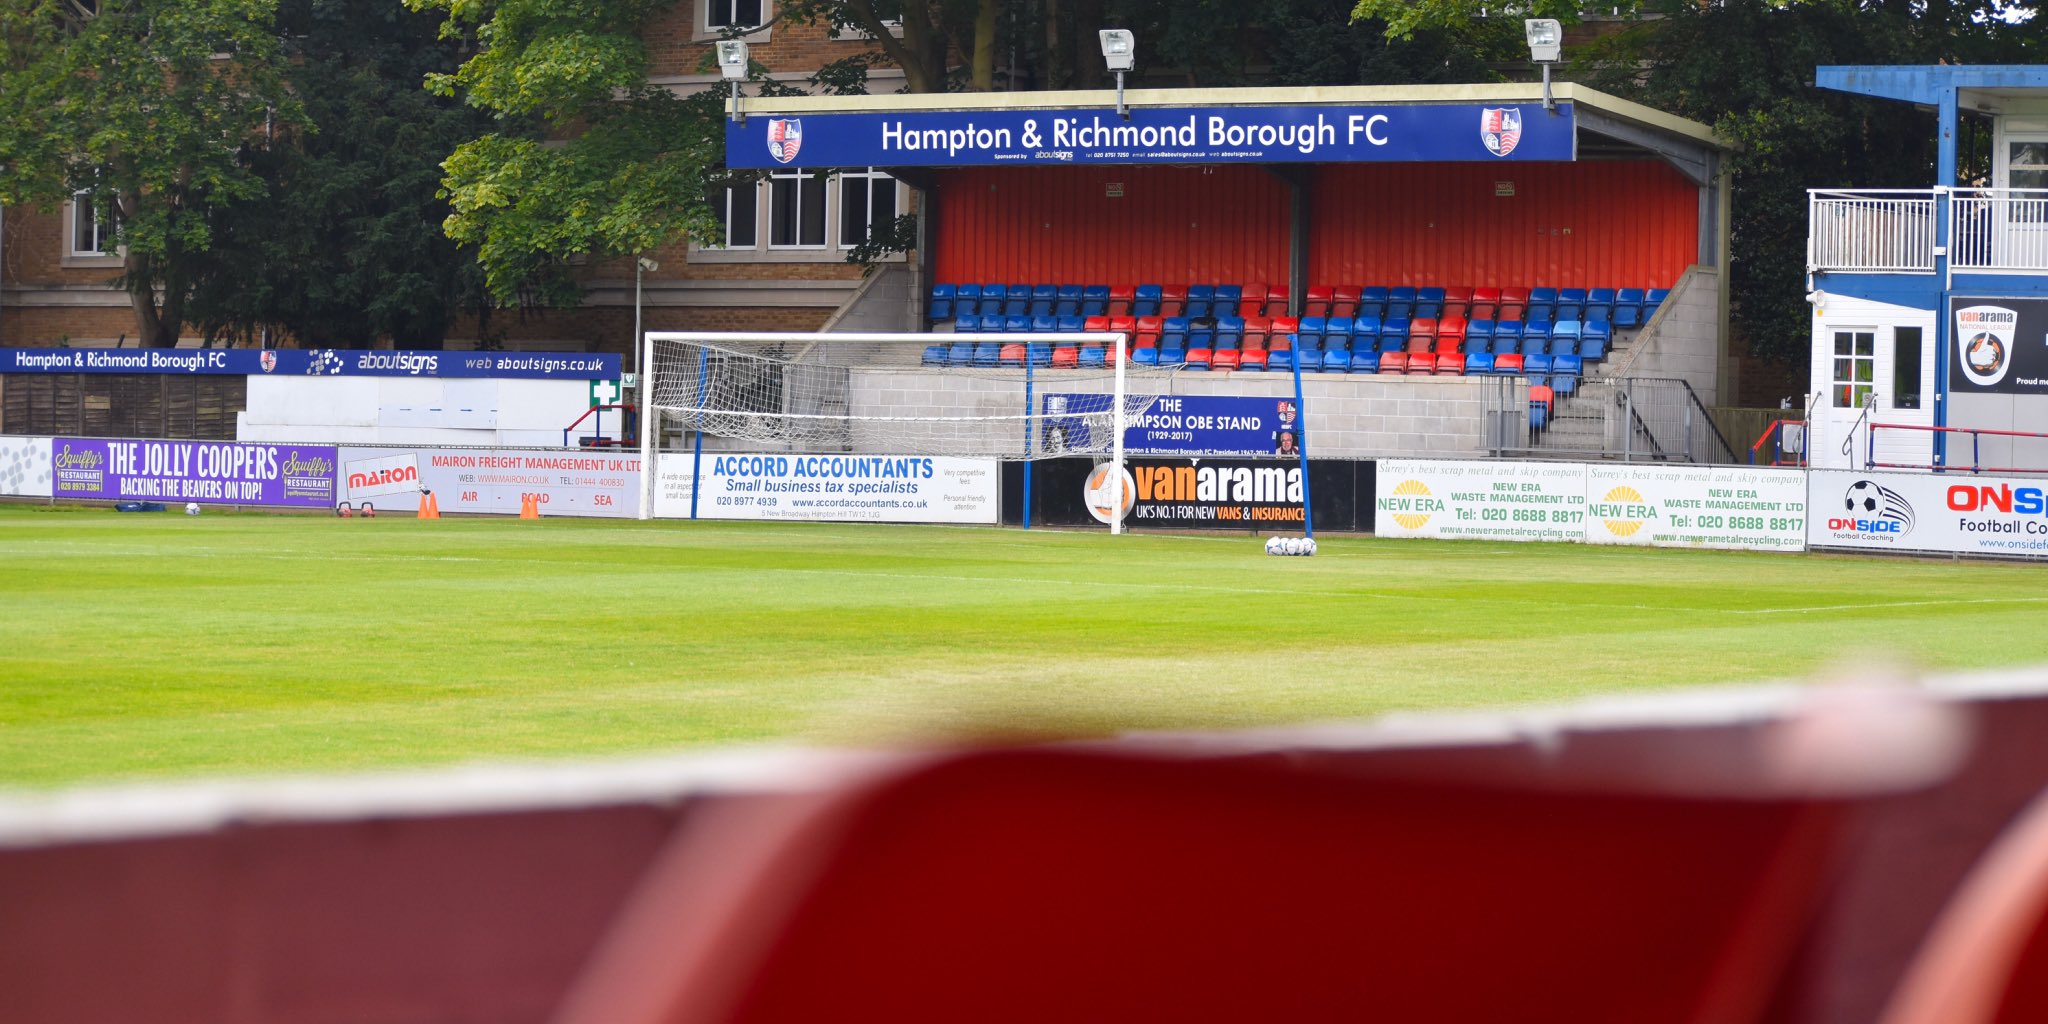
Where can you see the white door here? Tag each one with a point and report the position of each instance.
(1876, 382)
(2021, 238)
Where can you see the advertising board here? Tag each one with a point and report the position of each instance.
(1258, 494)
(1950, 513)
(2001, 345)
(316, 362)
(1492, 500)
(1152, 135)
(495, 481)
(828, 488)
(1182, 425)
(25, 466)
(208, 472)
(1695, 506)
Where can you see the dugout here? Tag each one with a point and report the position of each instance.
(1580, 205)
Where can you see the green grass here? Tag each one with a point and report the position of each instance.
(137, 645)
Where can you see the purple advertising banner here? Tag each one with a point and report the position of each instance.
(208, 472)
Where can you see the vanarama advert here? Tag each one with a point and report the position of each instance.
(1214, 492)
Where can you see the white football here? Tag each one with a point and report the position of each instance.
(1272, 545)
(1294, 545)
(1310, 545)
(191, 508)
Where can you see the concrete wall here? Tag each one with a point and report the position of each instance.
(1683, 341)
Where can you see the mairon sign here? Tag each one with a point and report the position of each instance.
(2000, 345)
(1318, 134)
(314, 362)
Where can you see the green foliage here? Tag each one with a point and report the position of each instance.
(1405, 18)
(154, 108)
(623, 167)
(347, 246)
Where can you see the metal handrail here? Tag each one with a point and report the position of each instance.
(1849, 442)
(1976, 448)
(632, 421)
(1775, 433)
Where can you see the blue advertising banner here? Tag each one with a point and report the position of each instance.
(316, 362)
(1333, 134)
(1184, 425)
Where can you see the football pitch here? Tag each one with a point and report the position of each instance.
(249, 644)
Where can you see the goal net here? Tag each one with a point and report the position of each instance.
(1003, 397)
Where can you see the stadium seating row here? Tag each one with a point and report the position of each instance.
(1620, 307)
(1450, 335)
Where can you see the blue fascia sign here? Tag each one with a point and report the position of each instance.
(1321, 134)
(314, 362)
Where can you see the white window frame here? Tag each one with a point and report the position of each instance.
(702, 30)
(724, 243)
(762, 251)
(1835, 380)
(837, 185)
(107, 255)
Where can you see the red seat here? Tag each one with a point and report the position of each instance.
(1344, 300)
(1450, 334)
(1256, 330)
(1148, 331)
(1284, 328)
(1512, 302)
(1421, 363)
(1507, 362)
(1457, 293)
(1065, 357)
(1488, 296)
(1508, 312)
(1173, 300)
(1319, 298)
(1253, 301)
(1225, 358)
(1276, 300)
(1096, 324)
(1011, 354)
(1120, 299)
(1450, 364)
(1393, 362)
(1252, 358)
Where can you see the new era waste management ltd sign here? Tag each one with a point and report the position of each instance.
(1164, 135)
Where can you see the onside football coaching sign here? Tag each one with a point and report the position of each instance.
(1158, 135)
(1945, 512)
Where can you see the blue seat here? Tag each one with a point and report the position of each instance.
(941, 308)
(1201, 299)
(1571, 296)
(1012, 324)
(966, 323)
(1365, 331)
(1394, 334)
(1229, 330)
(1652, 299)
(1043, 298)
(1147, 356)
(1429, 302)
(1478, 336)
(966, 300)
(1365, 360)
(1543, 296)
(1336, 360)
(1228, 298)
(1337, 332)
(1095, 356)
(1628, 307)
(1430, 294)
(1280, 359)
(1600, 303)
(1095, 300)
(1593, 339)
(992, 298)
(1201, 334)
(1068, 302)
(1174, 354)
(1545, 311)
(1017, 300)
(1539, 415)
(1173, 332)
(961, 354)
(1533, 329)
(1146, 302)
(1535, 365)
(1372, 302)
(1401, 302)
(1044, 324)
(1478, 362)
(1564, 338)
(987, 353)
(1070, 325)
(1507, 337)
(1311, 351)
(1568, 311)
(1311, 329)
(1566, 366)
(936, 355)
(1039, 353)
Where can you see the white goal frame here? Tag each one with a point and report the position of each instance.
(650, 422)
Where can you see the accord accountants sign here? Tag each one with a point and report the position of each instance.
(1322, 134)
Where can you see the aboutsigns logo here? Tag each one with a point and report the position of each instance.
(1873, 510)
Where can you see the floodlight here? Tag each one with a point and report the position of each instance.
(732, 59)
(1119, 48)
(1546, 39)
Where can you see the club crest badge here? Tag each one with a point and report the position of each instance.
(1501, 129)
(268, 360)
(785, 137)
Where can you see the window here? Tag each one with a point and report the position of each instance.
(87, 236)
(796, 210)
(802, 215)
(1855, 368)
(1905, 367)
(738, 210)
(721, 14)
(2026, 163)
(867, 199)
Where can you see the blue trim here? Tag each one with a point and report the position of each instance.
(697, 460)
(1308, 515)
(1028, 460)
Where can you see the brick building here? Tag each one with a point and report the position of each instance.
(780, 266)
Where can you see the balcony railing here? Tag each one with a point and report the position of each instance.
(1892, 231)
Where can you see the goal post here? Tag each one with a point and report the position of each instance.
(987, 397)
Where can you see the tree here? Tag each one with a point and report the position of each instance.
(151, 109)
(931, 30)
(346, 247)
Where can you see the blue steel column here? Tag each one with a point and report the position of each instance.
(1945, 177)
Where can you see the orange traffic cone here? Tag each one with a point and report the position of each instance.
(529, 507)
(430, 506)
